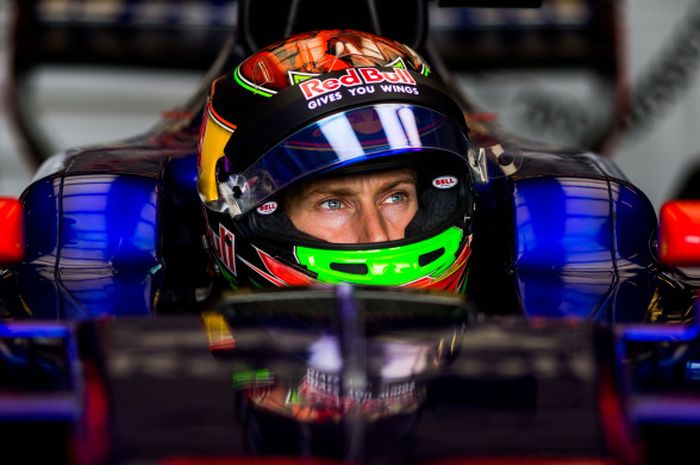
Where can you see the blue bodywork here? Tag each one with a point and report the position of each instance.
(109, 230)
(96, 230)
(580, 242)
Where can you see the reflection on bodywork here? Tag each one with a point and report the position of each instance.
(321, 386)
(107, 218)
(563, 224)
(320, 394)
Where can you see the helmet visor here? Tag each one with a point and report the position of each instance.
(343, 139)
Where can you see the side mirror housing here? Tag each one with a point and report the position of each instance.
(679, 233)
(11, 231)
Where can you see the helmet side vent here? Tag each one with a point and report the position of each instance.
(430, 257)
(350, 268)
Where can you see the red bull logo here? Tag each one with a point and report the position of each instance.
(353, 77)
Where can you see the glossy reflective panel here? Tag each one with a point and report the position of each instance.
(109, 220)
(680, 233)
(583, 248)
(635, 226)
(101, 256)
(559, 295)
(41, 220)
(11, 231)
(563, 223)
(591, 295)
(110, 242)
(576, 223)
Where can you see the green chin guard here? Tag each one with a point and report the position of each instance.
(391, 266)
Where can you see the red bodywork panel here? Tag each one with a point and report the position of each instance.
(679, 233)
(11, 231)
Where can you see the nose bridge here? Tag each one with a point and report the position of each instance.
(373, 228)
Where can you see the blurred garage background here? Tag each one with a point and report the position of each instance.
(618, 77)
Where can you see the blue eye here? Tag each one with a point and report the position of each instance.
(396, 197)
(332, 204)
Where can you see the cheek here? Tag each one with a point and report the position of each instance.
(326, 225)
(400, 214)
(334, 220)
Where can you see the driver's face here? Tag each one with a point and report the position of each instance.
(365, 208)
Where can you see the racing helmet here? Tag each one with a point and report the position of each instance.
(320, 105)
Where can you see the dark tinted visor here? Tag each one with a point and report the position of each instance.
(344, 139)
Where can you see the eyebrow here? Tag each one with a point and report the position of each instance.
(344, 191)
